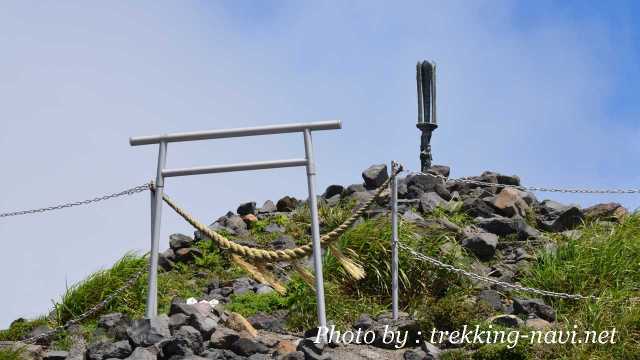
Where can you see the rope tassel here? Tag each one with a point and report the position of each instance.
(305, 274)
(355, 270)
(260, 274)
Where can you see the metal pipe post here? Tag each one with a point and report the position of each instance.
(156, 218)
(394, 242)
(315, 230)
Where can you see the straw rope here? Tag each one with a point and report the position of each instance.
(262, 255)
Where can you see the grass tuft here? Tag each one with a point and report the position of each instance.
(603, 261)
(13, 353)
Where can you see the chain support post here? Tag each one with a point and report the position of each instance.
(315, 234)
(156, 219)
(394, 239)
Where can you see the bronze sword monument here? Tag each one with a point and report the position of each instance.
(426, 81)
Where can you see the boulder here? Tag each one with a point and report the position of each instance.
(432, 351)
(247, 208)
(429, 201)
(333, 190)
(374, 176)
(442, 190)
(249, 219)
(404, 324)
(205, 324)
(146, 332)
(177, 320)
(283, 242)
(267, 322)
(492, 298)
(223, 338)
(414, 354)
(115, 325)
(268, 207)
(274, 228)
(295, 355)
(187, 254)
(511, 321)
(537, 324)
(243, 285)
(166, 260)
(421, 183)
(364, 322)
(43, 334)
(263, 289)
(402, 188)
(220, 354)
(287, 204)
(333, 201)
(609, 211)
(477, 207)
(179, 241)
(55, 355)
(311, 349)
(510, 202)
(108, 350)
(191, 336)
(482, 244)
(174, 348)
(141, 353)
(502, 226)
(178, 306)
(557, 217)
(412, 217)
(441, 170)
(352, 189)
(497, 178)
(361, 197)
(534, 306)
(231, 223)
(248, 347)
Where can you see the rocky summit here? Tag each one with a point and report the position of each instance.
(489, 226)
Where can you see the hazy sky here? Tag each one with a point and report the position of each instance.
(548, 92)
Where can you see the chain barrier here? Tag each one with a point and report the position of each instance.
(131, 191)
(92, 311)
(469, 180)
(475, 276)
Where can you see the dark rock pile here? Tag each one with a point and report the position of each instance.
(505, 219)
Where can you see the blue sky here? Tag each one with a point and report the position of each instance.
(545, 90)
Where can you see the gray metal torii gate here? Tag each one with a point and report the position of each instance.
(162, 173)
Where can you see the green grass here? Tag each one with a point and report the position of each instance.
(604, 261)
(11, 354)
(453, 213)
(251, 303)
(81, 296)
(342, 308)
(21, 329)
(369, 244)
(185, 280)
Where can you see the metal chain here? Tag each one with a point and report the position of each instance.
(516, 287)
(92, 311)
(468, 180)
(131, 191)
